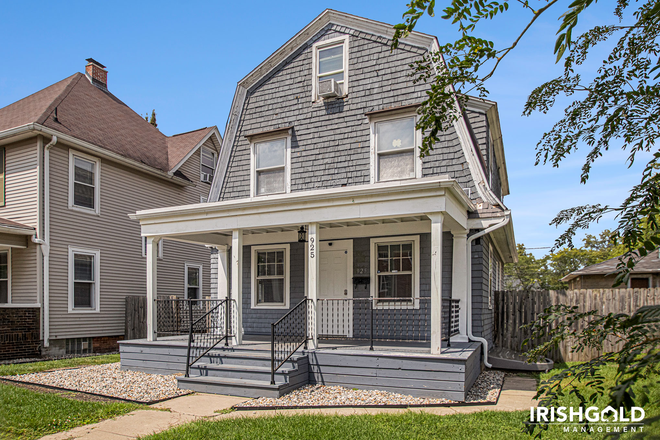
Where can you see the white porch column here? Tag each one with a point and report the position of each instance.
(152, 288)
(223, 272)
(459, 282)
(237, 283)
(313, 276)
(436, 282)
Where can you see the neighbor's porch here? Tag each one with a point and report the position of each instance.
(398, 212)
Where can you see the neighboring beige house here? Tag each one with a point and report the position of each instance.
(76, 162)
(646, 274)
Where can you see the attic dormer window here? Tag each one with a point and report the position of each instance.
(330, 64)
(207, 165)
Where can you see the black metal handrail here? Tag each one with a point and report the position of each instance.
(209, 329)
(396, 319)
(287, 335)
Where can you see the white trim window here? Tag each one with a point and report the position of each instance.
(193, 281)
(271, 166)
(84, 172)
(144, 247)
(330, 61)
(395, 148)
(395, 270)
(5, 276)
(270, 276)
(84, 276)
(207, 164)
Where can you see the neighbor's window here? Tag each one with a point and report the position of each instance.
(330, 62)
(395, 271)
(270, 276)
(84, 182)
(270, 166)
(83, 280)
(193, 282)
(4, 277)
(640, 283)
(208, 165)
(395, 149)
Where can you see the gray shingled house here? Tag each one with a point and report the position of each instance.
(343, 257)
(645, 275)
(75, 162)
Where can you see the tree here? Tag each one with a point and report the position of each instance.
(618, 104)
(152, 121)
(527, 274)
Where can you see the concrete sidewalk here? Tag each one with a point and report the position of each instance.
(517, 395)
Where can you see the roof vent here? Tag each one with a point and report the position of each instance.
(96, 73)
(328, 88)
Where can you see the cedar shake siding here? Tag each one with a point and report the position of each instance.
(330, 141)
(122, 191)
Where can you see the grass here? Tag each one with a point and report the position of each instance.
(35, 367)
(28, 414)
(487, 425)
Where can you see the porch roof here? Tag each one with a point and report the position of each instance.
(381, 203)
(14, 234)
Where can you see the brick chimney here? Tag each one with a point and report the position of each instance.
(96, 73)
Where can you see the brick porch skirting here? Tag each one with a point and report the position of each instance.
(19, 332)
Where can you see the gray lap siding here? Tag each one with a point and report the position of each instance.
(330, 141)
(257, 321)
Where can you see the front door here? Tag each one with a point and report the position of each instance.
(335, 310)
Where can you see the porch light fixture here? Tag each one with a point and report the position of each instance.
(302, 235)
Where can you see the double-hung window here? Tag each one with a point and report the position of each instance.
(270, 276)
(5, 296)
(83, 182)
(395, 268)
(270, 166)
(395, 152)
(193, 281)
(331, 62)
(207, 165)
(84, 276)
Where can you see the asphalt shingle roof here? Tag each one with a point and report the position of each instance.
(648, 264)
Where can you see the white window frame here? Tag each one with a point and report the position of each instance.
(8, 250)
(373, 259)
(96, 299)
(287, 162)
(203, 199)
(649, 277)
(215, 162)
(315, 62)
(144, 247)
(287, 264)
(97, 180)
(392, 116)
(201, 280)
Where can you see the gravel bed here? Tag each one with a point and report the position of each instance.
(485, 390)
(108, 380)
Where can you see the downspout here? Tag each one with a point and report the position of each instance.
(484, 343)
(45, 243)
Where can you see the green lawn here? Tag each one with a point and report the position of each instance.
(34, 367)
(27, 414)
(489, 425)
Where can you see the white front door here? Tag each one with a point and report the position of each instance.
(335, 309)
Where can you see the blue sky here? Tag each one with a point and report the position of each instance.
(184, 59)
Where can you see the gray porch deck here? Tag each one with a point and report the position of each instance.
(402, 367)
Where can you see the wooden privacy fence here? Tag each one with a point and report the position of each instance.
(514, 309)
(136, 317)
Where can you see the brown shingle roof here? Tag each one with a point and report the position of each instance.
(97, 116)
(648, 264)
(180, 144)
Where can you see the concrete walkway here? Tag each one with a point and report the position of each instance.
(517, 395)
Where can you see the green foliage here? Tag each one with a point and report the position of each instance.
(29, 414)
(617, 106)
(152, 120)
(637, 362)
(528, 273)
(35, 367)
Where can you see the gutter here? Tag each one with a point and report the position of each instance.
(471, 337)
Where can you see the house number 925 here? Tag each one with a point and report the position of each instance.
(312, 247)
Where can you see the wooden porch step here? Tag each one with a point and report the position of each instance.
(236, 387)
(246, 372)
(251, 358)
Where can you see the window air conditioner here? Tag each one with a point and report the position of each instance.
(328, 88)
(206, 178)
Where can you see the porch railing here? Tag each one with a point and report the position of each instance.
(209, 329)
(288, 334)
(383, 319)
